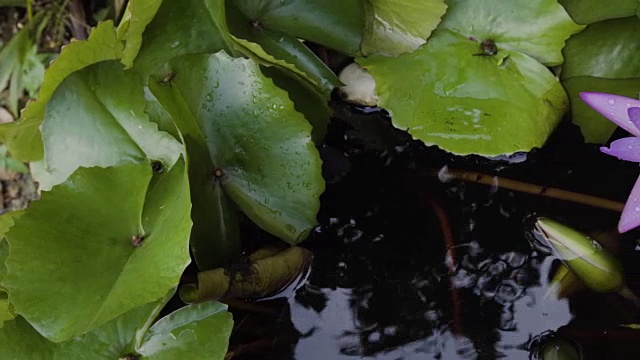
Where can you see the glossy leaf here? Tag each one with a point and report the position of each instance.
(336, 24)
(306, 100)
(488, 105)
(23, 136)
(97, 117)
(281, 49)
(71, 273)
(243, 135)
(141, 12)
(179, 28)
(591, 11)
(114, 340)
(602, 58)
(509, 25)
(266, 273)
(196, 332)
(394, 27)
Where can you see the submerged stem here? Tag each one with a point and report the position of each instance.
(510, 184)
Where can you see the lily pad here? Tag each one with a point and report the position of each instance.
(23, 136)
(197, 332)
(466, 104)
(281, 49)
(601, 58)
(69, 273)
(591, 11)
(246, 144)
(394, 27)
(118, 338)
(336, 24)
(478, 85)
(140, 14)
(97, 117)
(179, 28)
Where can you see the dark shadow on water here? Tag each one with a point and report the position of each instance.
(381, 287)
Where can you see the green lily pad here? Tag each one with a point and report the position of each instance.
(477, 86)
(23, 136)
(394, 27)
(336, 24)
(179, 28)
(69, 273)
(140, 14)
(509, 25)
(601, 58)
(469, 104)
(197, 332)
(97, 117)
(591, 11)
(281, 49)
(246, 143)
(114, 340)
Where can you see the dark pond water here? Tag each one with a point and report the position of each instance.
(383, 286)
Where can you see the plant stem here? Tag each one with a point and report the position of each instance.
(515, 185)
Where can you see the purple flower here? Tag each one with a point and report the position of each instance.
(624, 112)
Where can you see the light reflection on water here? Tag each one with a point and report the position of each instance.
(344, 328)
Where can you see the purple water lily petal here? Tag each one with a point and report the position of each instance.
(614, 108)
(634, 116)
(624, 149)
(630, 218)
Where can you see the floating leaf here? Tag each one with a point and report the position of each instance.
(602, 58)
(476, 87)
(444, 95)
(394, 27)
(246, 143)
(196, 332)
(70, 273)
(591, 11)
(140, 14)
(582, 255)
(97, 117)
(266, 272)
(336, 24)
(281, 49)
(207, 322)
(179, 28)
(509, 25)
(23, 136)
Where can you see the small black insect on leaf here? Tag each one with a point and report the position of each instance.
(167, 78)
(137, 240)
(488, 47)
(255, 24)
(157, 166)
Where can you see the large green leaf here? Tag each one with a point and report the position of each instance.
(74, 262)
(179, 28)
(477, 86)
(509, 24)
(6, 222)
(196, 332)
(113, 340)
(140, 14)
(246, 143)
(465, 104)
(591, 11)
(394, 27)
(601, 58)
(337, 24)
(23, 136)
(97, 117)
(281, 49)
